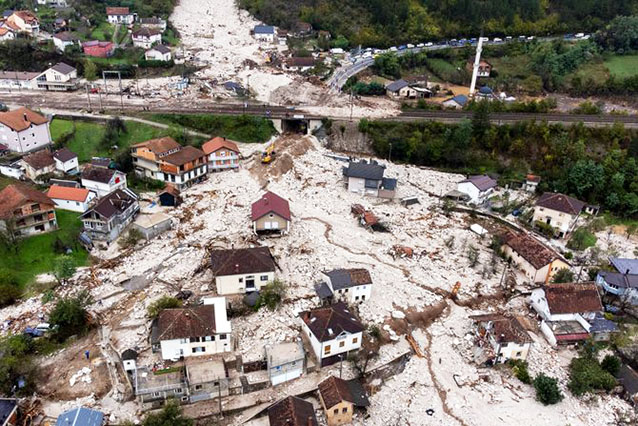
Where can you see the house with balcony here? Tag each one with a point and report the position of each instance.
(6, 33)
(193, 331)
(484, 68)
(108, 218)
(223, 154)
(146, 37)
(120, 15)
(499, 338)
(559, 211)
(60, 78)
(238, 271)
(18, 80)
(165, 160)
(366, 178)
(24, 21)
(23, 130)
(570, 312)
(25, 211)
(333, 332)
(102, 180)
(534, 259)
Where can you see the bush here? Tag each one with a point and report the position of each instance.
(519, 368)
(164, 302)
(581, 239)
(547, 391)
(563, 276)
(544, 228)
(586, 375)
(171, 415)
(132, 238)
(69, 316)
(611, 364)
(9, 288)
(271, 295)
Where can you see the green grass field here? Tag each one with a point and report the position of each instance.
(103, 32)
(622, 66)
(87, 136)
(36, 256)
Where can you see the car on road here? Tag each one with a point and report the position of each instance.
(393, 49)
(508, 38)
(403, 47)
(420, 45)
(485, 39)
(497, 40)
(410, 46)
(579, 35)
(530, 38)
(429, 44)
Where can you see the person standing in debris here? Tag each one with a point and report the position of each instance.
(87, 354)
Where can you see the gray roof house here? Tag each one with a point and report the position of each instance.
(80, 416)
(367, 178)
(456, 102)
(353, 285)
(478, 188)
(108, 218)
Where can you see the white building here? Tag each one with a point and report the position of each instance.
(193, 331)
(53, 3)
(60, 77)
(350, 285)
(264, 33)
(566, 310)
(23, 130)
(559, 211)
(64, 39)
(158, 53)
(102, 180)
(333, 332)
(499, 338)
(146, 37)
(531, 183)
(120, 15)
(6, 33)
(478, 188)
(18, 80)
(73, 199)
(285, 361)
(455, 102)
(24, 21)
(366, 178)
(156, 23)
(239, 271)
(66, 161)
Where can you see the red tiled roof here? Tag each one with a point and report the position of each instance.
(185, 155)
(533, 178)
(20, 119)
(292, 411)
(572, 298)
(68, 193)
(560, 202)
(218, 143)
(505, 329)
(270, 203)
(530, 249)
(334, 390)
(241, 261)
(117, 11)
(14, 196)
(159, 146)
(26, 15)
(182, 323)
(39, 160)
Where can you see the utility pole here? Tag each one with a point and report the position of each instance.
(121, 96)
(477, 63)
(99, 94)
(340, 365)
(390, 152)
(88, 97)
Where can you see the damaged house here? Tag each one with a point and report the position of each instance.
(366, 178)
(106, 220)
(271, 214)
(285, 361)
(192, 331)
(339, 399)
(536, 261)
(559, 211)
(206, 379)
(238, 271)
(350, 285)
(333, 332)
(499, 338)
(623, 282)
(292, 411)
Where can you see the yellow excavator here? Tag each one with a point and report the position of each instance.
(269, 154)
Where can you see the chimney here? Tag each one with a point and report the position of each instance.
(25, 117)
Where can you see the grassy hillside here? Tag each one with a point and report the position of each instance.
(382, 22)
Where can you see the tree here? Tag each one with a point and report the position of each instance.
(69, 316)
(90, 70)
(563, 276)
(547, 391)
(9, 288)
(387, 65)
(581, 239)
(586, 375)
(271, 295)
(611, 364)
(519, 368)
(9, 238)
(164, 302)
(171, 415)
(341, 42)
(481, 118)
(631, 230)
(63, 269)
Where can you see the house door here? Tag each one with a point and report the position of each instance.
(548, 220)
(250, 284)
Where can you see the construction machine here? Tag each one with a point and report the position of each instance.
(269, 154)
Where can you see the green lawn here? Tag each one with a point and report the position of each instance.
(622, 65)
(87, 136)
(103, 32)
(169, 38)
(597, 71)
(6, 181)
(36, 256)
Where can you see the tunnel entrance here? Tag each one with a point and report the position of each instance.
(294, 125)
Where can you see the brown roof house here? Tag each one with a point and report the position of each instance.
(339, 399)
(223, 154)
(270, 214)
(102, 180)
(108, 218)
(559, 211)
(299, 63)
(237, 271)
(120, 15)
(165, 160)
(351, 285)
(499, 338)
(292, 411)
(192, 331)
(23, 130)
(25, 211)
(570, 312)
(38, 164)
(333, 332)
(536, 261)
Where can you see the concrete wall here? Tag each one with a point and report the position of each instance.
(563, 222)
(176, 348)
(230, 284)
(344, 136)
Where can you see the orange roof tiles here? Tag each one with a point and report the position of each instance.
(67, 193)
(218, 143)
(20, 119)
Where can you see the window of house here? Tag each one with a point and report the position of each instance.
(336, 411)
(342, 344)
(156, 393)
(208, 338)
(326, 349)
(183, 340)
(344, 410)
(222, 337)
(264, 278)
(241, 280)
(215, 383)
(198, 387)
(518, 354)
(178, 390)
(355, 340)
(194, 339)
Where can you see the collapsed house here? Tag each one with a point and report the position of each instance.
(499, 338)
(340, 398)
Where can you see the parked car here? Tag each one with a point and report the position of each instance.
(402, 47)
(420, 45)
(429, 44)
(33, 332)
(410, 46)
(497, 40)
(393, 49)
(579, 35)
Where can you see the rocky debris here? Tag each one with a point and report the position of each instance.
(83, 375)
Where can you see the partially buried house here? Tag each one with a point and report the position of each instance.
(292, 411)
(339, 399)
(271, 214)
(106, 220)
(353, 285)
(238, 271)
(535, 260)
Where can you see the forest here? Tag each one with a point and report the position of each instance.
(597, 165)
(382, 23)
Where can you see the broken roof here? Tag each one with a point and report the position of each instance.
(117, 202)
(185, 155)
(180, 323)
(67, 193)
(346, 278)
(292, 411)
(530, 249)
(242, 261)
(63, 68)
(218, 143)
(7, 407)
(624, 265)
(40, 159)
(505, 329)
(395, 86)
(329, 322)
(482, 182)
(560, 202)
(334, 390)
(572, 298)
(270, 203)
(64, 155)
(200, 371)
(21, 119)
(159, 146)
(364, 170)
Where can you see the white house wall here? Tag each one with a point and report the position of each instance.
(176, 348)
(31, 139)
(230, 284)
